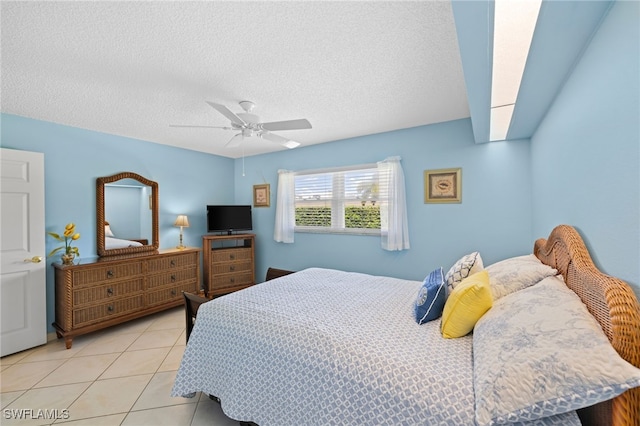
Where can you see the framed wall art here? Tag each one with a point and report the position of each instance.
(261, 196)
(443, 186)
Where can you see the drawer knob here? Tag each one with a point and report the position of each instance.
(173, 263)
(232, 268)
(173, 292)
(110, 308)
(232, 280)
(173, 278)
(109, 292)
(232, 256)
(109, 274)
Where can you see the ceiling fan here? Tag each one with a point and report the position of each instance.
(249, 125)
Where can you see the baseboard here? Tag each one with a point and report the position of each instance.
(52, 336)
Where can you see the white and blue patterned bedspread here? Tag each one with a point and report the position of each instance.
(329, 347)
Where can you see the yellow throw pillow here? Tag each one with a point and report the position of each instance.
(465, 305)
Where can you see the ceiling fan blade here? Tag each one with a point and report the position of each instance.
(275, 126)
(234, 141)
(279, 139)
(200, 127)
(227, 113)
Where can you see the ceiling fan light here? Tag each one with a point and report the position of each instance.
(291, 144)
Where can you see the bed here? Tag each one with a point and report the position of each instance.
(111, 242)
(115, 243)
(325, 347)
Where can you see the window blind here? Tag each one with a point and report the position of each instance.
(338, 199)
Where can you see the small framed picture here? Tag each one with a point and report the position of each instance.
(443, 186)
(261, 196)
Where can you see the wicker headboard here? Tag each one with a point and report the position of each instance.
(612, 302)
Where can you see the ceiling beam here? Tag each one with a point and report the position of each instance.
(563, 31)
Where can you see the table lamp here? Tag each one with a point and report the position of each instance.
(183, 222)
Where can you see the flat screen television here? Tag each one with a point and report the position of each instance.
(229, 219)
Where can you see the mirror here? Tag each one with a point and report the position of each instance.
(126, 215)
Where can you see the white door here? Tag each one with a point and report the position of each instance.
(23, 303)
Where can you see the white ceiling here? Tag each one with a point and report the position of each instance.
(133, 68)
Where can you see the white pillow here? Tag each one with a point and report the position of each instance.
(465, 266)
(107, 231)
(539, 352)
(516, 273)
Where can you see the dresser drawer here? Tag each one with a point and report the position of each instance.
(96, 294)
(92, 276)
(86, 316)
(171, 294)
(175, 261)
(173, 277)
(100, 293)
(231, 267)
(231, 280)
(231, 255)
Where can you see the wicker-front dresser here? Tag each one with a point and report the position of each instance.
(228, 262)
(105, 292)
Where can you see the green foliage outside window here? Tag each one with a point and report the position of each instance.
(313, 216)
(367, 217)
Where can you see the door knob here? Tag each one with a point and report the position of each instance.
(34, 259)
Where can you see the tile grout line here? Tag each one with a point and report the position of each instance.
(148, 328)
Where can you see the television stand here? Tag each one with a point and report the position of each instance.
(228, 262)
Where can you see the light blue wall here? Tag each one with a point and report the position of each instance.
(494, 216)
(585, 157)
(74, 158)
(586, 152)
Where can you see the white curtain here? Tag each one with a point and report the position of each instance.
(394, 227)
(285, 207)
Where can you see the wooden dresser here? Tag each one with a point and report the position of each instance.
(228, 262)
(109, 291)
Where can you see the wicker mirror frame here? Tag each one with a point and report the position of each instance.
(100, 216)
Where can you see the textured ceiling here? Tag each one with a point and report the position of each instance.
(134, 68)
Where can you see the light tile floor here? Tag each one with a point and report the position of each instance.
(118, 376)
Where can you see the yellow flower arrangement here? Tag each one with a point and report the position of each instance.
(68, 236)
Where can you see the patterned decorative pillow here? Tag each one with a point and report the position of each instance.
(516, 273)
(431, 298)
(539, 352)
(465, 266)
(465, 305)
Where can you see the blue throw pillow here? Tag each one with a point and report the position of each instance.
(431, 298)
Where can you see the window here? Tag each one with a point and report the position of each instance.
(366, 199)
(342, 200)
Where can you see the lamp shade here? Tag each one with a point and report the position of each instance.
(182, 221)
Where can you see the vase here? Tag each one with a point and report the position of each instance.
(67, 259)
